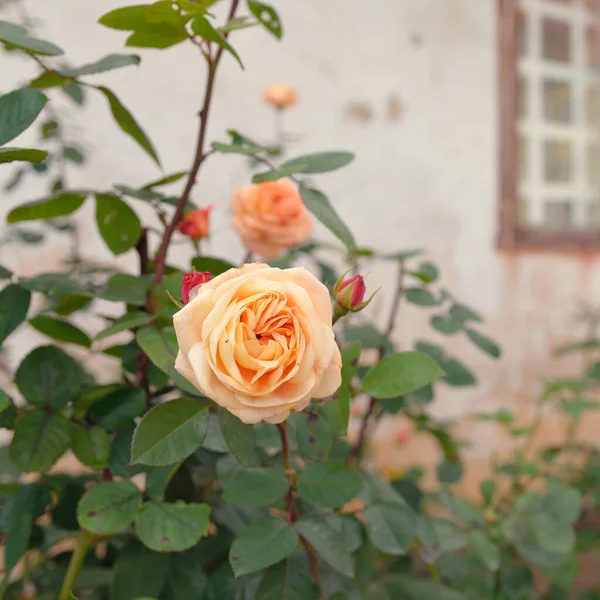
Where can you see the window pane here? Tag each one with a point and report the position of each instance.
(556, 40)
(593, 162)
(558, 214)
(557, 161)
(593, 106)
(557, 101)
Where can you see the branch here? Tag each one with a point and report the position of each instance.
(199, 157)
(354, 456)
(293, 511)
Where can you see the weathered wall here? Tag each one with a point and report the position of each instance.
(410, 86)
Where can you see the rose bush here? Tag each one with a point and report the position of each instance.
(229, 457)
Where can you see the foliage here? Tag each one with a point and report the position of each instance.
(181, 500)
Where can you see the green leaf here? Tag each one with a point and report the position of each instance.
(128, 321)
(32, 155)
(53, 285)
(456, 373)
(368, 336)
(75, 92)
(5, 401)
(48, 376)
(240, 438)
(161, 37)
(318, 204)
(18, 110)
(449, 471)
(109, 507)
(484, 549)
(74, 155)
(183, 384)
(322, 162)
(262, 544)
(139, 572)
(119, 226)
(400, 374)
(427, 272)
(16, 35)
(239, 145)
(420, 296)
(215, 266)
(170, 432)
(267, 16)
(14, 304)
(90, 445)
(120, 453)
(391, 527)
(483, 342)
(206, 31)
(256, 487)
(128, 124)
(118, 408)
(159, 345)
(330, 484)
(187, 580)
(165, 180)
(46, 208)
(287, 581)
(40, 440)
(327, 542)
(126, 288)
(59, 330)
(127, 18)
(171, 526)
(107, 63)
(313, 435)
(338, 410)
(459, 312)
(5, 273)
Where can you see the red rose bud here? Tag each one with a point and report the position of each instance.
(349, 295)
(191, 282)
(195, 223)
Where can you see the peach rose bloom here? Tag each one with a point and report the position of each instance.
(280, 95)
(270, 217)
(259, 342)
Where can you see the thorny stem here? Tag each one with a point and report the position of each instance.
(199, 157)
(142, 364)
(293, 512)
(355, 455)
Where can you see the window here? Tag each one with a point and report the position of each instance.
(550, 123)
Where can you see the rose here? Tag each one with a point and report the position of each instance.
(191, 283)
(195, 223)
(259, 342)
(280, 95)
(349, 295)
(270, 217)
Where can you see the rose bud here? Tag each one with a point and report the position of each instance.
(195, 223)
(349, 295)
(280, 95)
(191, 282)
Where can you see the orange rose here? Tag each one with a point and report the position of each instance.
(280, 95)
(259, 342)
(195, 223)
(270, 217)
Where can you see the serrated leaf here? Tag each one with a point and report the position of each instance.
(14, 304)
(327, 542)
(171, 526)
(256, 487)
(263, 543)
(322, 162)
(206, 31)
(49, 377)
(108, 507)
(170, 432)
(400, 374)
(215, 266)
(314, 435)
(119, 408)
(160, 345)
(267, 16)
(318, 204)
(40, 440)
(32, 155)
(127, 123)
(286, 581)
(124, 323)
(18, 110)
(126, 288)
(47, 208)
(90, 445)
(240, 438)
(330, 484)
(118, 224)
(18, 36)
(59, 330)
(107, 63)
(391, 527)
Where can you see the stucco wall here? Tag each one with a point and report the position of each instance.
(410, 86)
